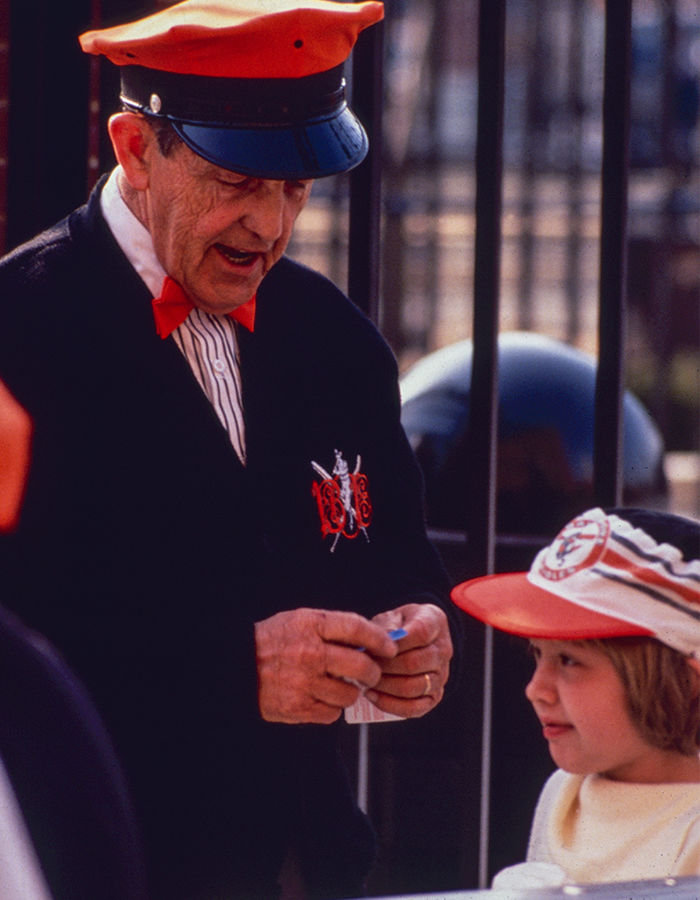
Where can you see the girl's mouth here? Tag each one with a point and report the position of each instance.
(555, 729)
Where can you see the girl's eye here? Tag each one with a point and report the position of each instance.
(567, 660)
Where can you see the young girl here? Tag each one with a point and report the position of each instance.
(612, 611)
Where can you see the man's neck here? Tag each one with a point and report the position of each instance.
(121, 211)
(133, 198)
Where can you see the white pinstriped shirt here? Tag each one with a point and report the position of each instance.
(209, 343)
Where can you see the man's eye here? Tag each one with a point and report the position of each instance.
(225, 182)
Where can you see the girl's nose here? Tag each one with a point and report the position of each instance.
(541, 687)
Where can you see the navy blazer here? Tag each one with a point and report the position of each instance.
(146, 551)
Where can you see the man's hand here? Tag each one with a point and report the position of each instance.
(413, 681)
(308, 657)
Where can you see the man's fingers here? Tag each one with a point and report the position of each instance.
(307, 660)
(352, 630)
(390, 620)
(406, 708)
(413, 682)
(334, 693)
(411, 687)
(352, 665)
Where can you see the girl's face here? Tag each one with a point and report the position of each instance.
(580, 701)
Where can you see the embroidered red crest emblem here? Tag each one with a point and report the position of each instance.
(343, 500)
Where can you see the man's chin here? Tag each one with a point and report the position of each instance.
(222, 305)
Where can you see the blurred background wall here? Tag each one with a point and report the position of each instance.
(554, 80)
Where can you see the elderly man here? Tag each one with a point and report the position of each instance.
(223, 520)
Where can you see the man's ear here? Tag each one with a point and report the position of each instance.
(131, 138)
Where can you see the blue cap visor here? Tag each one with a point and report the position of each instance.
(314, 149)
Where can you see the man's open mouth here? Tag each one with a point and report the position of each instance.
(237, 257)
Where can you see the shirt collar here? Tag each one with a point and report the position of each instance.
(133, 238)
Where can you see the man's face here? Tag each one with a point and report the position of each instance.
(215, 232)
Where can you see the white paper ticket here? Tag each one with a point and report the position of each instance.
(363, 710)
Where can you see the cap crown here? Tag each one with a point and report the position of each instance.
(605, 564)
(239, 39)
(606, 574)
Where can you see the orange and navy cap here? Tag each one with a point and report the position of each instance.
(254, 86)
(614, 573)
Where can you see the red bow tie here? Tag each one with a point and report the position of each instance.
(172, 308)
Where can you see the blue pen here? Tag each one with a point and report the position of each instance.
(397, 634)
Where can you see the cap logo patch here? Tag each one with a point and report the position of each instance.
(344, 506)
(578, 546)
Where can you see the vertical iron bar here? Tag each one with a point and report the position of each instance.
(365, 180)
(483, 407)
(363, 767)
(363, 239)
(575, 180)
(94, 120)
(607, 437)
(4, 116)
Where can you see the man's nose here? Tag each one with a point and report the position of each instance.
(265, 214)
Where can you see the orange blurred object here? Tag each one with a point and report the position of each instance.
(15, 441)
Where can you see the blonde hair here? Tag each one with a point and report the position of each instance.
(662, 691)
